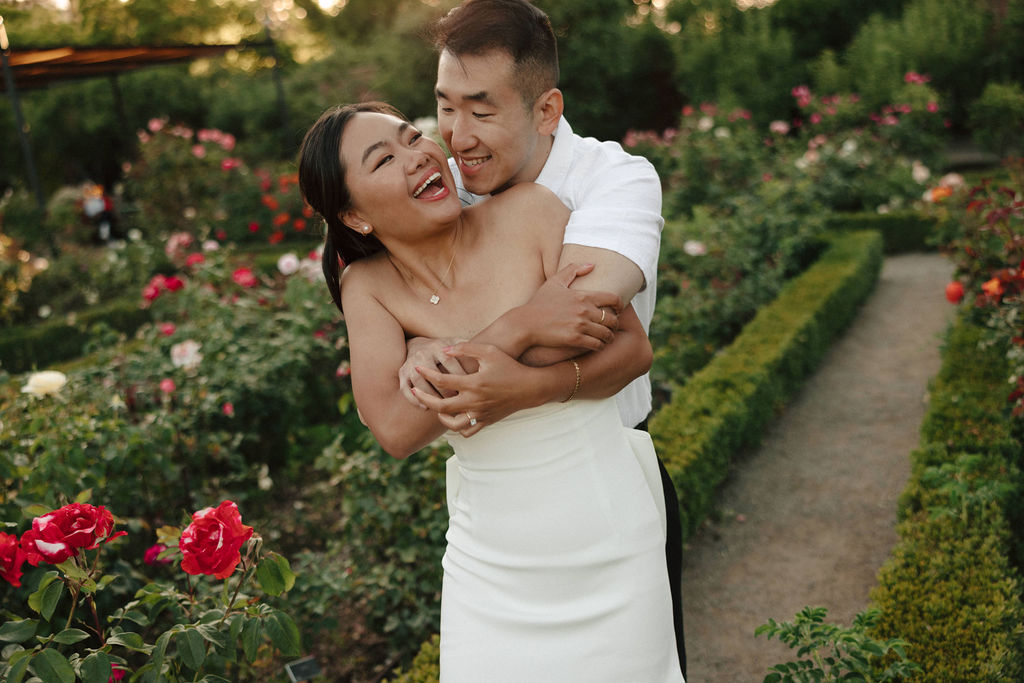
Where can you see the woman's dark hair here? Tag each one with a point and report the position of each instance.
(515, 27)
(322, 183)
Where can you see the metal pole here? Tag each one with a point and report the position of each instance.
(26, 148)
(282, 105)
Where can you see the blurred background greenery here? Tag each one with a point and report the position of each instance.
(626, 64)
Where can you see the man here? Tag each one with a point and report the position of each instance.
(500, 114)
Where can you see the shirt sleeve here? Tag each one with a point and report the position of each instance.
(617, 206)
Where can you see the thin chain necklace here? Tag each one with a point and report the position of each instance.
(434, 297)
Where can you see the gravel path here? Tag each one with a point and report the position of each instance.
(808, 518)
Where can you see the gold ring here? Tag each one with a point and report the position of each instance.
(602, 316)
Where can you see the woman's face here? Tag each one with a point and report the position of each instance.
(399, 180)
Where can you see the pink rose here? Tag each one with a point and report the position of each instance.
(244, 277)
(152, 555)
(228, 408)
(211, 543)
(167, 385)
(167, 329)
(194, 258)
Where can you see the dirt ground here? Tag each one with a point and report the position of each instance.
(809, 517)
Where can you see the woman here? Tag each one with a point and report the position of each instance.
(554, 569)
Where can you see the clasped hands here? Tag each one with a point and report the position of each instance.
(471, 384)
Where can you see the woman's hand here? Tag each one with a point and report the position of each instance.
(499, 387)
(426, 353)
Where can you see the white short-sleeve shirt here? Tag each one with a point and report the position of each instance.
(615, 199)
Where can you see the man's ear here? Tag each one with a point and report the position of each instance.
(548, 110)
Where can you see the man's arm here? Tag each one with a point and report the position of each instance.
(501, 386)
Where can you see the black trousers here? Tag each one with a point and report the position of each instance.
(673, 554)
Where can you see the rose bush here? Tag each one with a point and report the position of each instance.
(154, 630)
(186, 181)
(982, 233)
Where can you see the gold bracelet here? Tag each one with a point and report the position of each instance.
(578, 377)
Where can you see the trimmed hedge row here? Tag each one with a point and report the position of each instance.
(28, 347)
(951, 588)
(902, 231)
(726, 406)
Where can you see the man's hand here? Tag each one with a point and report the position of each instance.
(426, 353)
(557, 316)
(500, 387)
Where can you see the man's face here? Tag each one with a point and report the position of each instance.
(488, 128)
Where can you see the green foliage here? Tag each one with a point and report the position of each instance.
(425, 667)
(949, 40)
(997, 117)
(155, 447)
(389, 539)
(834, 653)
(604, 97)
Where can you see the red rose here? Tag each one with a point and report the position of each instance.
(244, 277)
(57, 535)
(954, 292)
(11, 559)
(211, 543)
(117, 673)
(174, 283)
(194, 259)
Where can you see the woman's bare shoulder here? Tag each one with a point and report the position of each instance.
(359, 275)
(524, 206)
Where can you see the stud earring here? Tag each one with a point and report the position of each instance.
(366, 229)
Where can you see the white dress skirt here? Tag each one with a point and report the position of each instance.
(555, 565)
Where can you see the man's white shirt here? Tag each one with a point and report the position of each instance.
(615, 199)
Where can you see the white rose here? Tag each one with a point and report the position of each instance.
(694, 248)
(186, 354)
(288, 264)
(919, 172)
(705, 124)
(45, 382)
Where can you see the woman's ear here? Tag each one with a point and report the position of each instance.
(548, 111)
(354, 221)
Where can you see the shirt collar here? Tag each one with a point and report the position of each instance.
(556, 168)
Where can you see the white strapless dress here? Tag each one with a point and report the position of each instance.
(555, 566)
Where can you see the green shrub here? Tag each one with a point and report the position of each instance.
(997, 118)
(950, 587)
(950, 592)
(902, 231)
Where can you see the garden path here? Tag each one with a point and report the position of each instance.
(808, 517)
